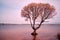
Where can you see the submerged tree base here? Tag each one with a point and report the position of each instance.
(34, 33)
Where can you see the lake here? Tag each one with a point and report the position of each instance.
(23, 32)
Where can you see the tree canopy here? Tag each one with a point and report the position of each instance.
(34, 10)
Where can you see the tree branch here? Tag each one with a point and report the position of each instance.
(34, 24)
(31, 22)
(40, 24)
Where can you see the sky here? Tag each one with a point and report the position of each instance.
(10, 11)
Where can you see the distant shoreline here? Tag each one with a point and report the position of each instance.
(25, 24)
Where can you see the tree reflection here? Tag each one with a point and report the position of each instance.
(34, 37)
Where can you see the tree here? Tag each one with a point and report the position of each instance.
(34, 10)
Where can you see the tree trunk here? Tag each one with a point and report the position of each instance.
(34, 33)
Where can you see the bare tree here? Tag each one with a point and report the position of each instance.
(34, 10)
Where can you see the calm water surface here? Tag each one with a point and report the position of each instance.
(23, 32)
